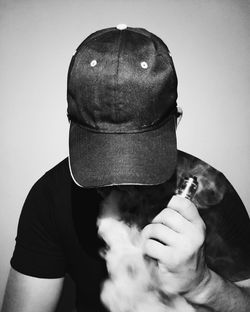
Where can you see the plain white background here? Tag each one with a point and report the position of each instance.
(209, 42)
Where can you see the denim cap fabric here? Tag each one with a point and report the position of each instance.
(122, 91)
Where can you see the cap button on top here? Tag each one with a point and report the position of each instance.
(121, 26)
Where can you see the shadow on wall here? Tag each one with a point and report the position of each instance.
(67, 300)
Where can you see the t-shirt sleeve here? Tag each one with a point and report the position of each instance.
(228, 235)
(38, 251)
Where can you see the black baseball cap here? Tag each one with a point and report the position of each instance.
(122, 92)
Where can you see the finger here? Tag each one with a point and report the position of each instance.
(156, 250)
(184, 207)
(160, 233)
(172, 219)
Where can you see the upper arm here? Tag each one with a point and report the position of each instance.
(38, 262)
(28, 294)
(39, 250)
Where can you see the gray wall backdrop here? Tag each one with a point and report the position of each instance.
(210, 45)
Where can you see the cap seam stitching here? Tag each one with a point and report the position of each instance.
(151, 128)
(117, 74)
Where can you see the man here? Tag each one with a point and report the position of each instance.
(122, 92)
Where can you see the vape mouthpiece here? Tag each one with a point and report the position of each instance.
(187, 187)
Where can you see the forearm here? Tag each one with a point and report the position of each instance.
(217, 294)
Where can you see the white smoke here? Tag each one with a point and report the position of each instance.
(211, 188)
(135, 283)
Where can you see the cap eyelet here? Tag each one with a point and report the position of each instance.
(93, 63)
(144, 65)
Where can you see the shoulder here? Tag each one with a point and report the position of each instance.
(41, 195)
(214, 188)
(55, 178)
(212, 183)
(54, 184)
(193, 164)
(58, 172)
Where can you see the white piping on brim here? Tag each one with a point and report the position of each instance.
(113, 184)
(72, 174)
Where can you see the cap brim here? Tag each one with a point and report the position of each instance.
(103, 159)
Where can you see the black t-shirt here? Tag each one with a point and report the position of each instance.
(57, 230)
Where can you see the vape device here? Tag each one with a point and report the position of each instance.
(187, 187)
